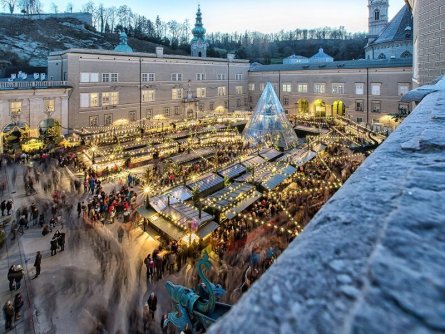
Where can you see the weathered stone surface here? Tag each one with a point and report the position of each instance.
(373, 259)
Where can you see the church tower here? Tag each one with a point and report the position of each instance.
(378, 18)
(199, 43)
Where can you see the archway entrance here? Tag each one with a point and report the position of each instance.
(14, 132)
(338, 108)
(319, 108)
(302, 107)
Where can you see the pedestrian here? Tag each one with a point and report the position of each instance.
(164, 323)
(11, 272)
(37, 263)
(8, 311)
(18, 276)
(18, 304)
(120, 233)
(79, 209)
(152, 303)
(146, 317)
(3, 207)
(61, 241)
(53, 246)
(9, 206)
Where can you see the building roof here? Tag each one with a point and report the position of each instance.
(296, 57)
(347, 64)
(396, 29)
(141, 54)
(320, 56)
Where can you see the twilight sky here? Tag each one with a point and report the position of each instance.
(252, 15)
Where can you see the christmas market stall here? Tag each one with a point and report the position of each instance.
(232, 171)
(206, 184)
(270, 154)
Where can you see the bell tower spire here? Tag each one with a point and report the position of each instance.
(199, 43)
(378, 18)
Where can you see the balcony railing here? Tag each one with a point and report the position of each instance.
(32, 84)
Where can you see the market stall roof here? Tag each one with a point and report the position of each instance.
(259, 173)
(168, 228)
(252, 161)
(177, 194)
(232, 171)
(307, 156)
(270, 154)
(292, 154)
(206, 229)
(206, 182)
(244, 204)
(181, 214)
(319, 147)
(273, 181)
(227, 197)
(194, 155)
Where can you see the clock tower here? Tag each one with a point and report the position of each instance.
(378, 18)
(199, 43)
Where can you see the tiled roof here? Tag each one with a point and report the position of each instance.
(395, 31)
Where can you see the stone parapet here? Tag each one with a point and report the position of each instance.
(372, 259)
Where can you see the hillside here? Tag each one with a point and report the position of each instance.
(27, 43)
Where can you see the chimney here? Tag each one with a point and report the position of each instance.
(159, 51)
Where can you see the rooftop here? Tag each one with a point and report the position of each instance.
(396, 29)
(347, 64)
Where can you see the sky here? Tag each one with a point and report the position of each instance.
(253, 15)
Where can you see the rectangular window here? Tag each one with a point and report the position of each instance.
(359, 119)
(50, 105)
(287, 88)
(113, 77)
(359, 88)
(221, 91)
(106, 99)
(84, 100)
(319, 88)
(148, 95)
(132, 116)
(176, 76)
(15, 107)
(238, 103)
(146, 77)
(338, 88)
(176, 93)
(94, 99)
(376, 106)
(94, 77)
(94, 120)
(149, 113)
(261, 87)
(403, 88)
(200, 92)
(114, 98)
(251, 87)
(302, 88)
(200, 76)
(105, 77)
(212, 106)
(177, 112)
(167, 111)
(250, 99)
(239, 90)
(238, 76)
(108, 119)
(84, 77)
(359, 106)
(286, 100)
(201, 106)
(375, 88)
(221, 76)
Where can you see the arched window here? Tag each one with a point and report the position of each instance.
(377, 15)
(406, 54)
(382, 56)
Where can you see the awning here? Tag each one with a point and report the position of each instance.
(173, 232)
(146, 213)
(207, 182)
(232, 171)
(274, 181)
(178, 194)
(244, 204)
(206, 229)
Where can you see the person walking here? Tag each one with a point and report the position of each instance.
(9, 207)
(53, 246)
(8, 311)
(11, 272)
(37, 263)
(79, 209)
(146, 317)
(18, 276)
(152, 304)
(120, 234)
(18, 304)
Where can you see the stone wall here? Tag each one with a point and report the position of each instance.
(83, 17)
(371, 260)
(429, 40)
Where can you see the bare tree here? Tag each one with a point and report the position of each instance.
(54, 8)
(101, 12)
(31, 6)
(10, 4)
(69, 7)
(111, 17)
